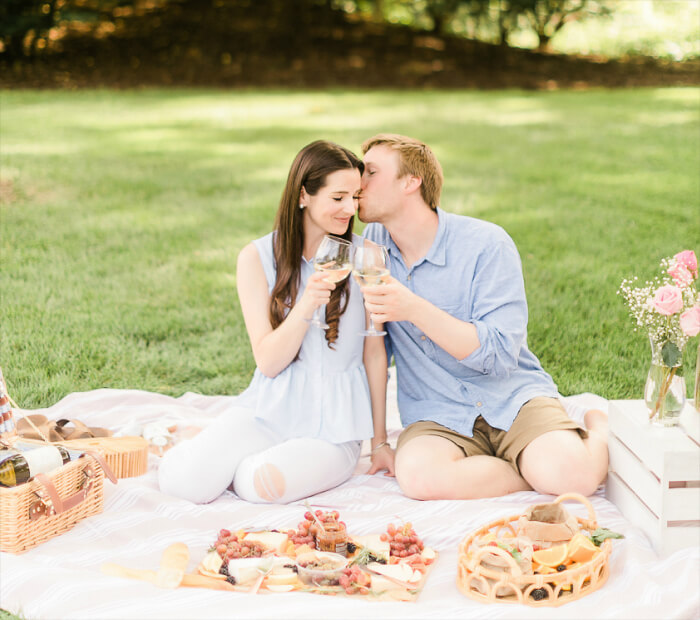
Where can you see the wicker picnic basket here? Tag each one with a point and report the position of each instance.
(487, 585)
(50, 503)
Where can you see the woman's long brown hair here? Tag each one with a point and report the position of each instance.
(309, 170)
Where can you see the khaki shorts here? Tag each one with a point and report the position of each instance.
(536, 417)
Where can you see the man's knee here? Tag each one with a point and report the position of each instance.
(418, 480)
(564, 472)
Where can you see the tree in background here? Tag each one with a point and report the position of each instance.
(441, 12)
(491, 20)
(548, 17)
(23, 23)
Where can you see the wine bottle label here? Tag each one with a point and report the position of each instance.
(7, 454)
(46, 458)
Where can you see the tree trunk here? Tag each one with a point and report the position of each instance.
(502, 28)
(15, 46)
(545, 42)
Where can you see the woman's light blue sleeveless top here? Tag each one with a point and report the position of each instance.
(323, 393)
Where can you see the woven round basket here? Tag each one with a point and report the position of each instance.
(512, 586)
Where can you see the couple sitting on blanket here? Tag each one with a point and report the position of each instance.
(481, 416)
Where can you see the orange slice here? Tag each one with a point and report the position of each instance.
(581, 548)
(553, 557)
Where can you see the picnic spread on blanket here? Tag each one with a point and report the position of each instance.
(543, 554)
(543, 557)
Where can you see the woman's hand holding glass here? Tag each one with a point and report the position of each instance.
(333, 260)
(370, 269)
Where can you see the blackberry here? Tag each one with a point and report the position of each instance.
(561, 567)
(231, 580)
(224, 569)
(352, 547)
(539, 593)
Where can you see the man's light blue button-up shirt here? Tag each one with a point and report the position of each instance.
(473, 272)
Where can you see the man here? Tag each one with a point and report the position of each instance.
(481, 416)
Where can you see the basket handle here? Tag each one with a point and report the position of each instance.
(103, 464)
(492, 550)
(54, 503)
(584, 500)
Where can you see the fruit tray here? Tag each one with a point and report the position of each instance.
(568, 571)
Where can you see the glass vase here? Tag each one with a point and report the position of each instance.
(664, 392)
(696, 400)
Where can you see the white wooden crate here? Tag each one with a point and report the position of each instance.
(654, 474)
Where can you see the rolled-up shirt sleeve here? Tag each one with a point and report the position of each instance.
(498, 310)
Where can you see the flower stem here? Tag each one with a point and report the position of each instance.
(665, 385)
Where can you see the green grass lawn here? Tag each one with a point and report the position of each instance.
(123, 214)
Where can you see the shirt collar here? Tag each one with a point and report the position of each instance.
(436, 253)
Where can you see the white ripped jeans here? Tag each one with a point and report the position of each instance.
(239, 451)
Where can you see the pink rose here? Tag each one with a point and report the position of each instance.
(668, 300)
(681, 274)
(690, 321)
(688, 258)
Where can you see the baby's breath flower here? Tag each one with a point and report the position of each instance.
(640, 301)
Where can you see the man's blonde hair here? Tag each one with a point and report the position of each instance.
(415, 158)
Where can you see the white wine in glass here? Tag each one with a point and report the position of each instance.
(334, 259)
(371, 268)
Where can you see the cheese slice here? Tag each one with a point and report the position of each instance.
(280, 576)
(212, 562)
(382, 584)
(281, 587)
(399, 572)
(276, 541)
(244, 570)
(375, 544)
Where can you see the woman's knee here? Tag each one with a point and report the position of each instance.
(182, 476)
(259, 482)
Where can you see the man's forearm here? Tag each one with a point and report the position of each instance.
(459, 338)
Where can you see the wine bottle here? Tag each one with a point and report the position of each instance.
(20, 467)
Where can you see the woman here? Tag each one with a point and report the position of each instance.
(298, 428)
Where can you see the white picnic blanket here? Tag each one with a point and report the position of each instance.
(61, 578)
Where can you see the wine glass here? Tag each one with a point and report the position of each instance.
(334, 259)
(370, 268)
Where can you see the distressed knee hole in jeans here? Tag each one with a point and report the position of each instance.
(269, 482)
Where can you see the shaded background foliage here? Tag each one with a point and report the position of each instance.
(433, 43)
